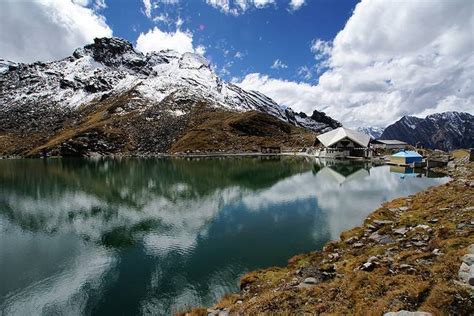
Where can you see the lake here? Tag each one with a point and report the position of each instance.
(155, 236)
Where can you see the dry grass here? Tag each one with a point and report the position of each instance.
(214, 131)
(95, 117)
(429, 285)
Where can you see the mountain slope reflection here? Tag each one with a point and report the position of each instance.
(168, 233)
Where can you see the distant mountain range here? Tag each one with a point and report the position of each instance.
(373, 132)
(445, 131)
(108, 98)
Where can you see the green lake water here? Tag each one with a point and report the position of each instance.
(156, 236)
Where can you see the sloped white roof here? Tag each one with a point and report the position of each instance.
(332, 137)
(391, 142)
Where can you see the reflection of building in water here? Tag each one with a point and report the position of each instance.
(403, 171)
(343, 171)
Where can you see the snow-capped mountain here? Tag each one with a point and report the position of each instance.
(446, 131)
(49, 97)
(373, 132)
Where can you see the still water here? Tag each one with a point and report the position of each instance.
(156, 236)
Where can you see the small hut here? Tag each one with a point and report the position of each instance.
(389, 144)
(406, 158)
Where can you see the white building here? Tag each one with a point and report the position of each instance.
(344, 143)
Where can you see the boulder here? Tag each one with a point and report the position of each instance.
(381, 239)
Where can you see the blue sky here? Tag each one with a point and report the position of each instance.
(365, 63)
(257, 36)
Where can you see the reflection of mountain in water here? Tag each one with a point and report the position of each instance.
(172, 232)
(182, 231)
(51, 194)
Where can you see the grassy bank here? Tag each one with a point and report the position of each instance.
(406, 256)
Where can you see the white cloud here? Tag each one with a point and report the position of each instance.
(300, 96)
(305, 72)
(278, 64)
(47, 29)
(296, 4)
(200, 49)
(83, 3)
(148, 7)
(391, 59)
(100, 5)
(239, 55)
(156, 40)
(236, 7)
(321, 49)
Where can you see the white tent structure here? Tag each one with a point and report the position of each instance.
(343, 142)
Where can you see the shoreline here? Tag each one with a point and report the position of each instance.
(410, 254)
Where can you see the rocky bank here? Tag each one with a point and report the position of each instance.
(413, 254)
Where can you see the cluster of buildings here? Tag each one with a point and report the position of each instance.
(344, 143)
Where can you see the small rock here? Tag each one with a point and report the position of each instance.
(433, 220)
(333, 256)
(403, 208)
(470, 280)
(212, 312)
(351, 240)
(405, 266)
(463, 273)
(407, 313)
(443, 209)
(310, 280)
(436, 252)
(305, 285)
(468, 259)
(358, 245)
(383, 222)
(423, 226)
(401, 230)
(239, 302)
(371, 227)
(419, 243)
(368, 266)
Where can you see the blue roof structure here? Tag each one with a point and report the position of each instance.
(407, 154)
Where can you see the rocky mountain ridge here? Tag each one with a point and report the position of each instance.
(111, 98)
(445, 131)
